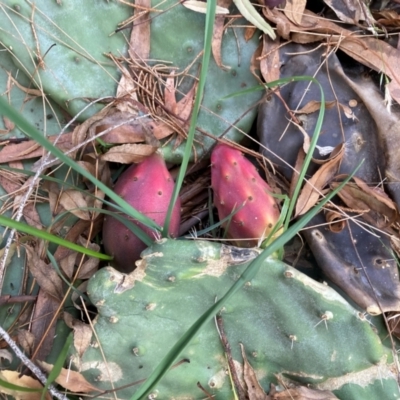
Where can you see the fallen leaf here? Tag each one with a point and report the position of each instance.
(43, 325)
(254, 389)
(45, 275)
(29, 149)
(8, 124)
(128, 153)
(373, 53)
(70, 380)
(255, 62)
(74, 201)
(294, 10)
(379, 209)
(269, 59)
(82, 333)
(349, 11)
(218, 32)
(15, 378)
(313, 106)
(310, 193)
(26, 340)
(139, 44)
(170, 93)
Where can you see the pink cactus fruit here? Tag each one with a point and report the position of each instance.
(238, 186)
(147, 187)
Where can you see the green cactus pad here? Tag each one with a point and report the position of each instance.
(288, 323)
(75, 69)
(180, 47)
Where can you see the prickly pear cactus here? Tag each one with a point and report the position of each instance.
(62, 45)
(16, 87)
(181, 47)
(288, 324)
(76, 70)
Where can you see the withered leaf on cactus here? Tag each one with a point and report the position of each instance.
(239, 189)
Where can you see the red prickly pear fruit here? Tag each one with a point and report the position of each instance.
(148, 188)
(238, 186)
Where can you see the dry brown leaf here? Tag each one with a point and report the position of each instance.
(8, 124)
(269, 60)
(81, 227)
(15, 378)
(139, 44)
(82, 333)
(349, 11)
(26, 340)
(70, 380)
(313, 106)
(249, 32)
(387, 18)
(185, 105)
(254, 389)
(31, 91)
(132, 132)
(255, 62)
(348, 112)
(373, 53)
(128, 153)
(218, 32)
(81, 132)
(43, 325)
(170, 93)
(310, 193)
(90, 266)
(29, 149)
(74, 202)
(380, 210)
(302, 393)
(45, 275)
(126, 87)
(294, 10)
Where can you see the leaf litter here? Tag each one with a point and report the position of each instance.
(166, 116)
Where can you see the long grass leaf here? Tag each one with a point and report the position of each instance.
(42, 234)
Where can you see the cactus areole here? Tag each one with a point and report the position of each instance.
(240, 191)
(148, 188)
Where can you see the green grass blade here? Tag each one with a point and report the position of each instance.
(32, 132)
(41, 234)
(210, 17)
(246, 276)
